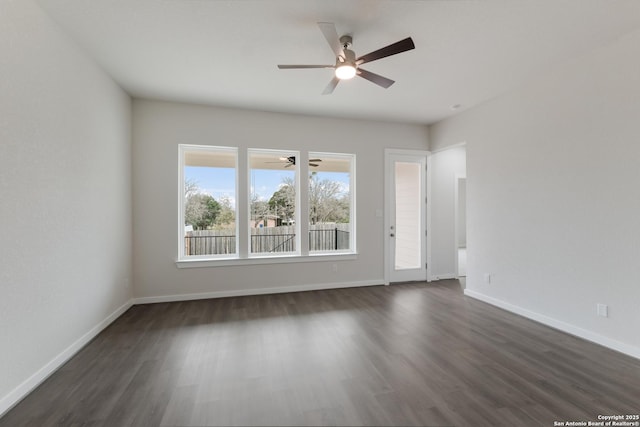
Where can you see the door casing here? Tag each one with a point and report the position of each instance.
(389, 156)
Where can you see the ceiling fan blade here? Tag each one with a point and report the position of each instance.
(392, 49)
(375, 78)
(329, 31)
(315, 165)
(315, 160)
(292, 67)
(331, 86)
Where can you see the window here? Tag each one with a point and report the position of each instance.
(244, 205)
(273, 206)
(331, 212)
(208, 195)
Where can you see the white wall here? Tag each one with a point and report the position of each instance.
(158, 129)
(446, 166)
(553, 200)
(65, 189)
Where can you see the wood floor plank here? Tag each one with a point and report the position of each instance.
(410, 354)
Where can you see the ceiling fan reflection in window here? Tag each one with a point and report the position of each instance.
(291, 161)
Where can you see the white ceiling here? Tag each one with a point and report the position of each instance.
(224, 52)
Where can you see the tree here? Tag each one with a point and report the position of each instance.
(201, 211)
(283, 202)
(190, 187)
(259, 209)
(227, 215)
(327, 202)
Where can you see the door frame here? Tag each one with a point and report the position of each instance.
(388, 258)
(456, 233)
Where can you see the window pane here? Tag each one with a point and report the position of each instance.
(408, 216)
(330, 202)
(273, 208)
(209, 208)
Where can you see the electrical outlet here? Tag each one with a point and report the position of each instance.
(602, 310)
(334, 267)
(487, 278)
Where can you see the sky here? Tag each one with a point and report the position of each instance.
(220, 182)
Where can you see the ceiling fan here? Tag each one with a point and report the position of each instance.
(347, 64)
(291, 161)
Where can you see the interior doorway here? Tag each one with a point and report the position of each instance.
(461, 226)
(405, 216)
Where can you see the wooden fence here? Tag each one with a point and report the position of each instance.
(273, 239)
(322, 237)
(209, 242)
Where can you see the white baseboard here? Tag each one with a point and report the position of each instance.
(17, 394)
(557, 324)
(258, 291)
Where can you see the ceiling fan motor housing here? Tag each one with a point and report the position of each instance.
(348, 55)
(346, 41)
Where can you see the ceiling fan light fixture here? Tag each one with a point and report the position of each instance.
(345, 71)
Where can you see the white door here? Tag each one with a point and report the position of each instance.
(406, 257)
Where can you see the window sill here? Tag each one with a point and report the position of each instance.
(284, 259)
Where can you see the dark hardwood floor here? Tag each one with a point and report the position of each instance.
(411, 354)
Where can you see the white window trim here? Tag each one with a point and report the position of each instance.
(282, 259)
(352, 199)
(243, 200)
(182, 149)
(297, 168)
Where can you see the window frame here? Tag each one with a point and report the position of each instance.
(352, 198)
(296, 169)
(243, 256)
(183, 149)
